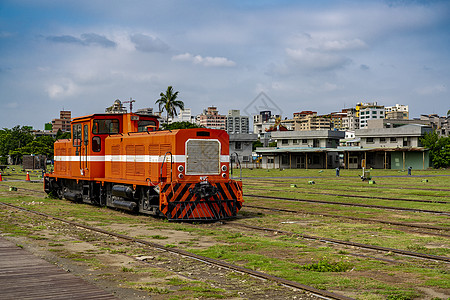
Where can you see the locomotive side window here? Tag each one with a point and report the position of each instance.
(105, 126)
(96, 144)
(86, 134)
(76, 134)
(142, 125)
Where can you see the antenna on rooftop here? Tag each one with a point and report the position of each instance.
(131, 104)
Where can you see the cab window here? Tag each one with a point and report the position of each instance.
(96, 144)
(146, 125)
(103, 126)
(76, 135)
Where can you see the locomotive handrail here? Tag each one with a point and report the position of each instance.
(239, 164)
(162, 165)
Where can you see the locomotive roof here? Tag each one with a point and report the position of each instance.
(111, 115)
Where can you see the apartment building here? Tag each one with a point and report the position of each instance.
(263, 121)
(369, 111)
(210, 118)
(309, 120)
(63, 123)
(235, 123)
(398, 111)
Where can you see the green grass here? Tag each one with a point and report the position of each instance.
(291, 257)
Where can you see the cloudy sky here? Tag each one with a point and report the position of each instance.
(303, 55)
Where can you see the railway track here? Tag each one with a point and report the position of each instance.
(365, 197)
(351, 204)
(365, 187)
(347, 243)
(432, 227)
(257, 274)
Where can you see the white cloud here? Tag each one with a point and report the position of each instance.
(316, 60)
(431, 90)
(62, 90)
(343, 45)
(207, 61)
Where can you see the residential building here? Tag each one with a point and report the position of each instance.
(350, 121)
(116, 108)
(403, 136)
(398, 111)
(309, 120)
(235, 123)
(369, 111)
(210, 118)
(145, 111)
(302, 149)
(241, 145)
(440, 124)
(263, 121)
(184, 115)
(63, 123)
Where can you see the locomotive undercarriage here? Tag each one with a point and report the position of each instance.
(143, 199)
(202, 201)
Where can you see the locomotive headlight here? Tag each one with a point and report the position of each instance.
(180, 168)
(180, 176)
(224, 175)
(224, 168)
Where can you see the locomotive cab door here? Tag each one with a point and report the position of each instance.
(81, 142)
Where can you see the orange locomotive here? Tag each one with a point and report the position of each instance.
(122, 161)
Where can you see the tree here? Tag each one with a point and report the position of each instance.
(62, 135)
(439, 149)
(180, 125)
(12, 139)
(42, 145)
(169, 102)
(257, 144)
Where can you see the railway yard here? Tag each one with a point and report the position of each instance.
(301, 234)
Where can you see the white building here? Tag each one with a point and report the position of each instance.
(399, 111)
(263, 121)
(369, 111)
(184, 115)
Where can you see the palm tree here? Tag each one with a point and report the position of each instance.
(169, 102)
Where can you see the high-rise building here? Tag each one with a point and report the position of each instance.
(63, 123)
(236, 123)
(369, 111)
(210, 118)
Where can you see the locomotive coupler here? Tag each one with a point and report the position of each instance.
(204, 189)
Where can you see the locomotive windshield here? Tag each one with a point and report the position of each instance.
(104, 126)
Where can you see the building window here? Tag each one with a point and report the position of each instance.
(284, 142)
(393, 140)
(369, 140)
(295, 142)
(270, 160)
(382, 140)
(238, 145)
(284, 159)
(304, 141)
